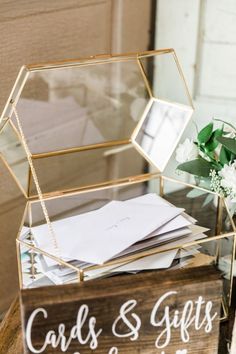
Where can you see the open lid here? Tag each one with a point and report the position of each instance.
(85, 120)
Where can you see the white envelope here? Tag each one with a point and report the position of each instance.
(154, 199)
(99, 235)
(155, 261)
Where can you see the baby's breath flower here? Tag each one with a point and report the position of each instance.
(216, 183)
(219, 186)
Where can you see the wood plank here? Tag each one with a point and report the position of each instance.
(129, 34)
(126, 314)
(64, 34)
(11, 335)
(27, 8)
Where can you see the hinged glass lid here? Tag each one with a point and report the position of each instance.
(85, 120)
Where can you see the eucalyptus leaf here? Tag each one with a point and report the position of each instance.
(228, 143)
(209, 154)
(225, 156)
(205, 134)
(233, 157)
(194, 193)
(212, 144)
(204, 182)
(208, 200)
(197, 167)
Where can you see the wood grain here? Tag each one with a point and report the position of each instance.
(60, 32)
(10, 331)
(11, 334)
(30, 8)
(105, 298)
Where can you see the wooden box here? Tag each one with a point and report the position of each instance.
(175, 312)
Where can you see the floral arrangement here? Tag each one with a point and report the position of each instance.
(212, 157)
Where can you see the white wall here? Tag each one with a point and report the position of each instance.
(203, 33)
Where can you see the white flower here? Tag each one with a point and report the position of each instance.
(228, 175)
(186, 151)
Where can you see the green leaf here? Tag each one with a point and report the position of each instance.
(204, 182)
(228, 143)
(212, 144)
(225, 156)
(232, 157)
(194, 193)
(208, 200)
(210, 155)
(197, 167)
(205, 134)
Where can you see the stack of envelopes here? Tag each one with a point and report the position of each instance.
(138, 234)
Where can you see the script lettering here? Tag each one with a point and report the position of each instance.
(194, 315)
(134, 330)
(182, 321)
(59, 339)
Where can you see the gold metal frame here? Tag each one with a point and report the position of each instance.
(226, 300)
(93, 60)
(110, 184)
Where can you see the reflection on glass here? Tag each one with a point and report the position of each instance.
(161, 130)
(78, 106)
(165, 78)
(70, 111)
(86, 168)
(75, 204)
(14, 154)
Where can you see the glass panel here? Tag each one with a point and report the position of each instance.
(88, 167)
(2, 123)
(81, 105)
(93, 103)
(203, 207)
(66, 206)
(160, 131)
(226, 251)
(166, 78)
(201, 251)
(32, 262)
(13, 152)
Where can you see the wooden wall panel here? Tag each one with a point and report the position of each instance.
(11, 213)
(131, 25)
(36, 31)
(50, 32)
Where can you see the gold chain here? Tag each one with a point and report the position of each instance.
(36, 181)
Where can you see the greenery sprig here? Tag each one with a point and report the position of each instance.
(216, 148)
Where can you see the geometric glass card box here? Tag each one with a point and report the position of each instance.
(80, 133)
(82, 116)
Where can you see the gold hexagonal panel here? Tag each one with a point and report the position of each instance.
(83, 121)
